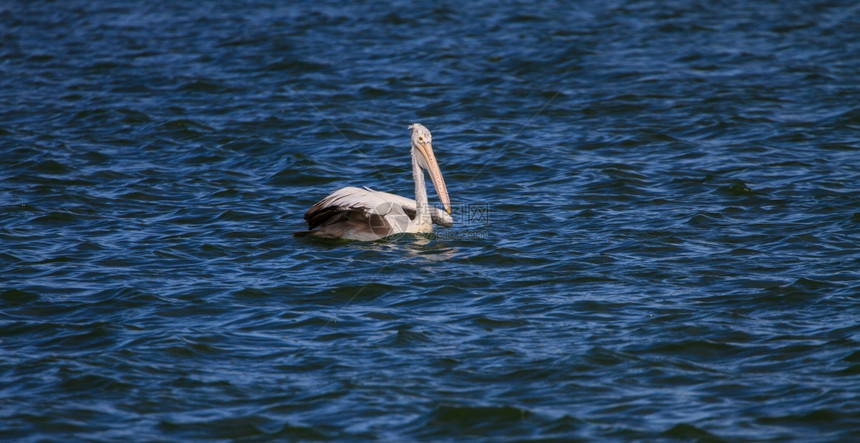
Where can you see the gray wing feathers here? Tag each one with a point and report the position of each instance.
(368, 201)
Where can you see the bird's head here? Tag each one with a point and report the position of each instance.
(421, 144)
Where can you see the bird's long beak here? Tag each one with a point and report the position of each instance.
(435, 174)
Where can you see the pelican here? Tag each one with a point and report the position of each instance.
(367, 215)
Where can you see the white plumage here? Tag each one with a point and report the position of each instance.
(367, 215)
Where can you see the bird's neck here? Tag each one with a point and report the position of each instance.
(422, 206)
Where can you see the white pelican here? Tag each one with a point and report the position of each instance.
(365, 214)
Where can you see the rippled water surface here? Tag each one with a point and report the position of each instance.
(656, 205)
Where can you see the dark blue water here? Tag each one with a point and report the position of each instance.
(656, 205)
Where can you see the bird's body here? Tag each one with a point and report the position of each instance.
(364, 214)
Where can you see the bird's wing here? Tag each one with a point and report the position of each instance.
(356, 214)
(338, 203)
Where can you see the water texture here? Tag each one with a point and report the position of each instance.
(656, 205)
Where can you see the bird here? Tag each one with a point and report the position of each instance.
(366, 215)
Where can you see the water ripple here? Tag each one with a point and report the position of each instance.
(655, 208)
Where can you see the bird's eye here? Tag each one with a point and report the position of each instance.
(421, 139)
